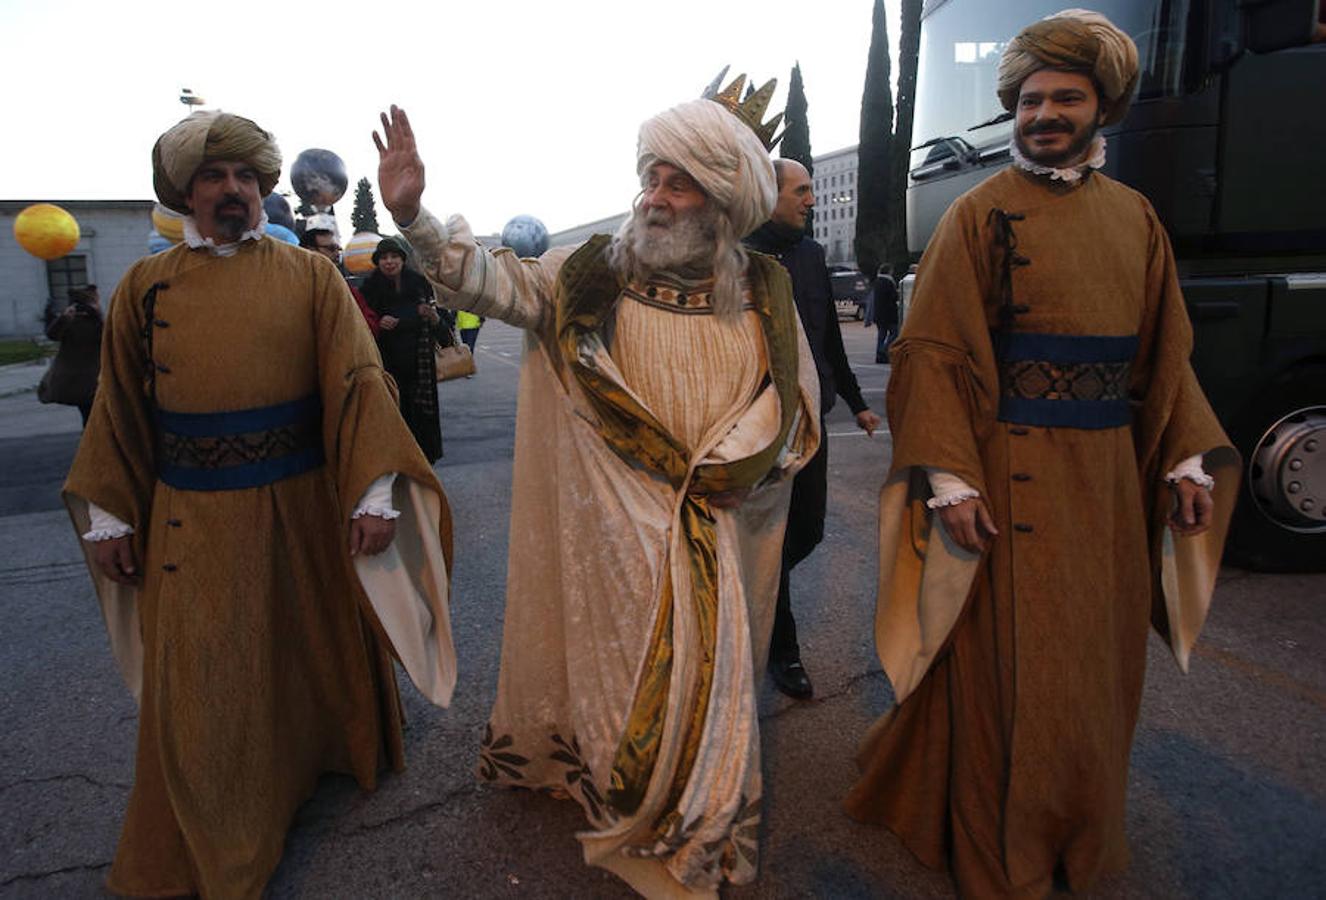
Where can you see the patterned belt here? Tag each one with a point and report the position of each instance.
(242, 449)
(1064, 380)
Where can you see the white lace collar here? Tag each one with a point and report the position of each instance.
(197, 242)
(1095, 159)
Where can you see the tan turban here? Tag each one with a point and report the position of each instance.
(720, 152)
(206, 136)
(1076, 39)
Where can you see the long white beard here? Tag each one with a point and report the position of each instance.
(685, 243)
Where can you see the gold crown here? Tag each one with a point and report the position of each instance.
(752, 109)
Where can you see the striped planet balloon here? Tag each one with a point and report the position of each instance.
(358, 255)
(168, 223)
(46, 231)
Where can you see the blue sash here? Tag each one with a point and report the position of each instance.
(246, 448)
(1064, 380)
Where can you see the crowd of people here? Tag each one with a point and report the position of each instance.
(266, 532)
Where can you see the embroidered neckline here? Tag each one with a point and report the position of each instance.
(673, 293)
(1095, 160)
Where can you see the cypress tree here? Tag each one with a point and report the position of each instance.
(873, 190)
(909, 47)
(796, 136)
(364, 217)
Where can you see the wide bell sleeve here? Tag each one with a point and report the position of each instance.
(495, 284)
(115, 466)
(1173, 421)
(365, 438)
(941, 403)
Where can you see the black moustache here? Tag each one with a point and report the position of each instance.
(1048, 128)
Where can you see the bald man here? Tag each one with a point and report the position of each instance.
(784, 236)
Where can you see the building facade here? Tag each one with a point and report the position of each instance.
(113, 234)
(834, 183)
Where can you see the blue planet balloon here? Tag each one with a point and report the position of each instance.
(318, 177)
(278, 211)
(156, 243)
(526, 235)
(281, 233)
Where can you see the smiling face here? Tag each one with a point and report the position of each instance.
(1058, 113)
(390, 263)
(224, 198)
(795, 196)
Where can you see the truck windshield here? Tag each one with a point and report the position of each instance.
(961, 41)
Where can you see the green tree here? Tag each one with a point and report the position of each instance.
(885, 144)
(874, 150)
(796, 136)
(364, 217)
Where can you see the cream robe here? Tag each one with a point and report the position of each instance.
(592, 539)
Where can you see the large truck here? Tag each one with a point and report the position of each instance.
(1227, 139)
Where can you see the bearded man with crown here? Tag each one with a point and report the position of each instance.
(1052, 494)
(666, 400)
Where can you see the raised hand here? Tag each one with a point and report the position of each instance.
(400, 168)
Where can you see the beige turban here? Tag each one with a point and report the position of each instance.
(205, 136)
(1076, 39)
(720, 152)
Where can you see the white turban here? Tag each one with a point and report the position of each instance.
(1076, 39)
(720, 152)
(211, 135)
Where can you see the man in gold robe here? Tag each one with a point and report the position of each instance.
(261, 528)
(1043, 409)
(666, 400)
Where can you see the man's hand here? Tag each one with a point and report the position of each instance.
(115, 558)
(867, 421)
(969, 523)
(387, 323)
(1192, 508)
(370, 535)
(400, 168)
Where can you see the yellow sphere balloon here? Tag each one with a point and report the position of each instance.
(46, 231)
(358, 255)
(168, 223)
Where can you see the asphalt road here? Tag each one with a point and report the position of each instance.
(1228, 784)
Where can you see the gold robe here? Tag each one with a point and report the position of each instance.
(257, 659)
(1019, 674)
(638, 615)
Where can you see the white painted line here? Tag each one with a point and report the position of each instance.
(858, 433)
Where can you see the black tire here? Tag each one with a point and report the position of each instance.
(1256, 541)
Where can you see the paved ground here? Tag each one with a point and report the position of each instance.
(1228, 787)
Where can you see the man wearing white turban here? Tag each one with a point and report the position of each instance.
(1049, 495)
(666, 399)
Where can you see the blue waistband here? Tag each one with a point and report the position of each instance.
(242, 449)
(1065, 380)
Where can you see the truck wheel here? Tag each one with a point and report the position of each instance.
(1280, 522)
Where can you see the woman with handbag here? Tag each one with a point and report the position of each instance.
(408, 323)
(72, 377)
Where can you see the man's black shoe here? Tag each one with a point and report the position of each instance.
(790, 677)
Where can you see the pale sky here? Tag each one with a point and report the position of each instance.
(519, 106)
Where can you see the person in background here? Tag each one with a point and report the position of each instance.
(322, 240)
(884, 313)
(468, 324)
(408, 318)
(784, 237)
(72, 378)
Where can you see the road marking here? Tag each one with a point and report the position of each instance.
(857, 433)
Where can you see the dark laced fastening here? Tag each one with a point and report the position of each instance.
(1007, 240)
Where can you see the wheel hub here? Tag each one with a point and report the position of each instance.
(1287, 471)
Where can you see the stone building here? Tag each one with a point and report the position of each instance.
(113, 235)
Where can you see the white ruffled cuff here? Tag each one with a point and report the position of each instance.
(1191, 469)
(377, 500)
(948, 489)
(104, 526)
